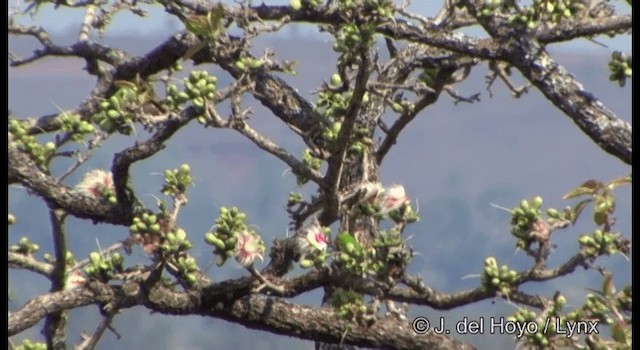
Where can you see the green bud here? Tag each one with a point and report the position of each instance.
(306, 263)
(336, 80)
(113, 114)
(190, 278)
(585, 240)
(117, 258)
(154, 228)
(95, 258)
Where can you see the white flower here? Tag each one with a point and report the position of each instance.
(394, 198)
(314, 236)
(74, 280)
(96, 183)
(249, 247)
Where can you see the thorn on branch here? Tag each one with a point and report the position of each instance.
(458, 98)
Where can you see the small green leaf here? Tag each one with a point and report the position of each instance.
(619, 182)
(600, 217)
(589, 187)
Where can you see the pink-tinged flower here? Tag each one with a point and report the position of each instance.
(248, 247)
(394, 198)
(74, 280)
(313, 235)
(96, 183)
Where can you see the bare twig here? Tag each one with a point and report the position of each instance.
(90, 342)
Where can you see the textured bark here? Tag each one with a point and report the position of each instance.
(253, 311)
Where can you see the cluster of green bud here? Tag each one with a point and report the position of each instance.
(595, 306)
(294, 198)
(489, 7)
(309, 161)
(76, 127)
(523, 218)
(176, 241)
(522, 315)
(176, 67)
(246, 64)
(146, 223)
(117, 113)
(187, 267)
(198, 87)
(599, 242)
(28, 143)
(546, 330)
(374, 10)
(24, 246)
(620, 68)
(351, 37)
(70, 261)
(391, 254)
(297, 4)
(224, 235)
(498, 278)
(545, 11)
(354, 258)
(404, 215)
(330, 134)
(624, 299)
(348, 305)
(333, 104)
(177, 181)
(101, 267)
(360, 141)
(403, 107)
(11, 219)
(29, 345)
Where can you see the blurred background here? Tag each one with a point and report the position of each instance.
(454, 161)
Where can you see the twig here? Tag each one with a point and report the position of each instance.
(28, 262)
(90, 342)
(55, 324)
(85, 27)
(458, 98)
(265, 144)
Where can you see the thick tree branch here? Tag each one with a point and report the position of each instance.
(123, 160)
(58, 195)
(55, 324)
(602, 126)
(253, 311)
(28, 262)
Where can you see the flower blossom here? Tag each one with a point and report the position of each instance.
(314, 236)
(393, 198)
(96, 183)
(249, 247)
(74, 280)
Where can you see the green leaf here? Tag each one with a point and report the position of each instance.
(198, 25)
(589, 187)
(344, 239)
(600, 217)
(619, 182)
(215, 17)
